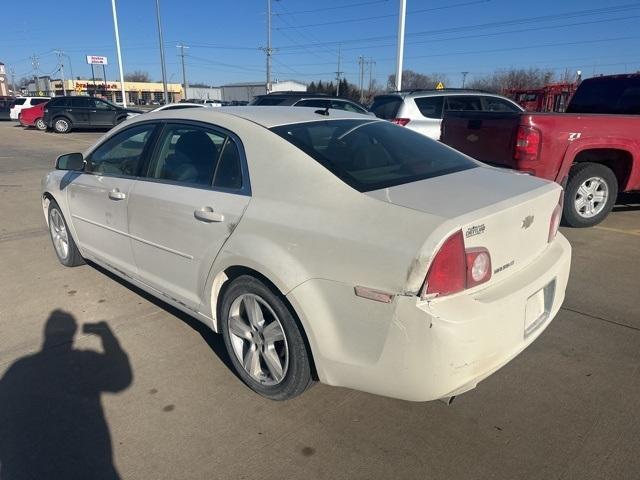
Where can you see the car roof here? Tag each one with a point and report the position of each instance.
(267, 117)
(437, 93)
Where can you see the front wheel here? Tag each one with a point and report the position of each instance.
(63, 244)
(591, 192)
(263, 339)
(40, 125)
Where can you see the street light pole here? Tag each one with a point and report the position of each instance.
(115, 27)
(184, 73)
(269, 49)
(400, 54)
(464, 78)
(164, 69)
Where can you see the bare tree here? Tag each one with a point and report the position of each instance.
(504, 80)
(137, 76)
(413, 80)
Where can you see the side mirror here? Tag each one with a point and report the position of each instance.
(70, 161)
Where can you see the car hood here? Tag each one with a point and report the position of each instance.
(462, 192)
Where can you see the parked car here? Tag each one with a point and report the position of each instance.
(178, 106)
(64, 114)
(21, 103)
(33, 117)
(213, 103)
(5, 107)
(303, 99)
(422, 110)
(335, 245)
(593, 150)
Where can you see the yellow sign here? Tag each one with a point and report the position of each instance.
(440, 86)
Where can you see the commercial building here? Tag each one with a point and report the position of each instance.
(4, 85)
(244, 92)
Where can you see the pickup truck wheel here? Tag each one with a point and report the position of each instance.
(590, 195)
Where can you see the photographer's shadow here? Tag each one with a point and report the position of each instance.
(51, 420)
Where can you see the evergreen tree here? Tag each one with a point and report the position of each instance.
(320, 87)
(312, 88)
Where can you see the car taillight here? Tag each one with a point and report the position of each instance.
(527, 143)
(556, 216)
(455, 269)
(401, 121)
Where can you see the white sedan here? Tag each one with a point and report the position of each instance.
(322, 244)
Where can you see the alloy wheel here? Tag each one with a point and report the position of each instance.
(258, 339)
(61, 126)
(591, 197)
(59, 234)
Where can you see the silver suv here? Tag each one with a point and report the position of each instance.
(422, 110)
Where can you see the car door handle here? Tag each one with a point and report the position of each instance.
(116, 194)
(206, 214)
(93, 111)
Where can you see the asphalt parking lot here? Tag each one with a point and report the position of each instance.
(567, 408)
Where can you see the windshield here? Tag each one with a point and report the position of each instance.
(607, 95)
(370, 155)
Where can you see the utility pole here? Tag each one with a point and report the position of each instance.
(371, 64)
(35, 63)
(361, 62)
(338, 73)
(269, 50)
(13, 80)
(185, 85)
(400, 54)
(464, 78)
(60, 53)
(164, 68)
(115, 27)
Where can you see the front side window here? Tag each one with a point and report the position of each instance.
(430, 107)
(187, 154)
(80, 102)
(370, 155)
(101, 105)
(122, 153)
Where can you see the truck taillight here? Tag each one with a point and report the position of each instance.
(527, 143)
(556, 216)
(401, 121)
(455, 269)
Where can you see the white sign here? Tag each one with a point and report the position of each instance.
(96, 60)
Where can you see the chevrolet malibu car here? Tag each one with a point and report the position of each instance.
(323, 245)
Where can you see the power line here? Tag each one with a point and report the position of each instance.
(324, 9)
(391, 15)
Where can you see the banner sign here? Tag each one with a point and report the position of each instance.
(96, 60)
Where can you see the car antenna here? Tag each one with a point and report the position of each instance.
(323, 111)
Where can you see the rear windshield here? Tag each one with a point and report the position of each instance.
(386, 107)
(607, 95)
(20, 101)
(369, 155)
(267, 101)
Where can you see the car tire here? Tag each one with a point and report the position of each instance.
(61, 125)
(40, 125)
(592, 189)
(63, 243)
(269, 341)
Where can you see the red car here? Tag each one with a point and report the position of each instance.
(32, 117)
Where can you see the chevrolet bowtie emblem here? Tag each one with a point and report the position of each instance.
(527, 221)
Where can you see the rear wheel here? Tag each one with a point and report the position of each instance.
(264, 341)
(590, 194)
(62, 125)
(40, 125)
(63, 244)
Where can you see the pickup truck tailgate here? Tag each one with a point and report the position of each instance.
(486, 136)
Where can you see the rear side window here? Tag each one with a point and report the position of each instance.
(386, 107)
(19, 101)
(228, 173)
(80, 102)
(460, 102)
(494, 104)
(607, 95)
(370, 155)
(346, 106)
(316, 103)
(38, 101)
(59, 102)
(430, 107)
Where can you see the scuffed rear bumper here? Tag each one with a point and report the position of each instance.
(426, 350)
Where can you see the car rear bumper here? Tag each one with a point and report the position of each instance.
(426, 350)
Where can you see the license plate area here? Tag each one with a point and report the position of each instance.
(538, 307)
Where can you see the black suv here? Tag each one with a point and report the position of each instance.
(303, 99)
(64, 114)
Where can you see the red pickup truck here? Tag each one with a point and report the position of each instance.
(592, 150)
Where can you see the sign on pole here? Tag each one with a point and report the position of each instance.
(97, 60)
(440, 86)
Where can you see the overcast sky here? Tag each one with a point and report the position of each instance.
(225, 37)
